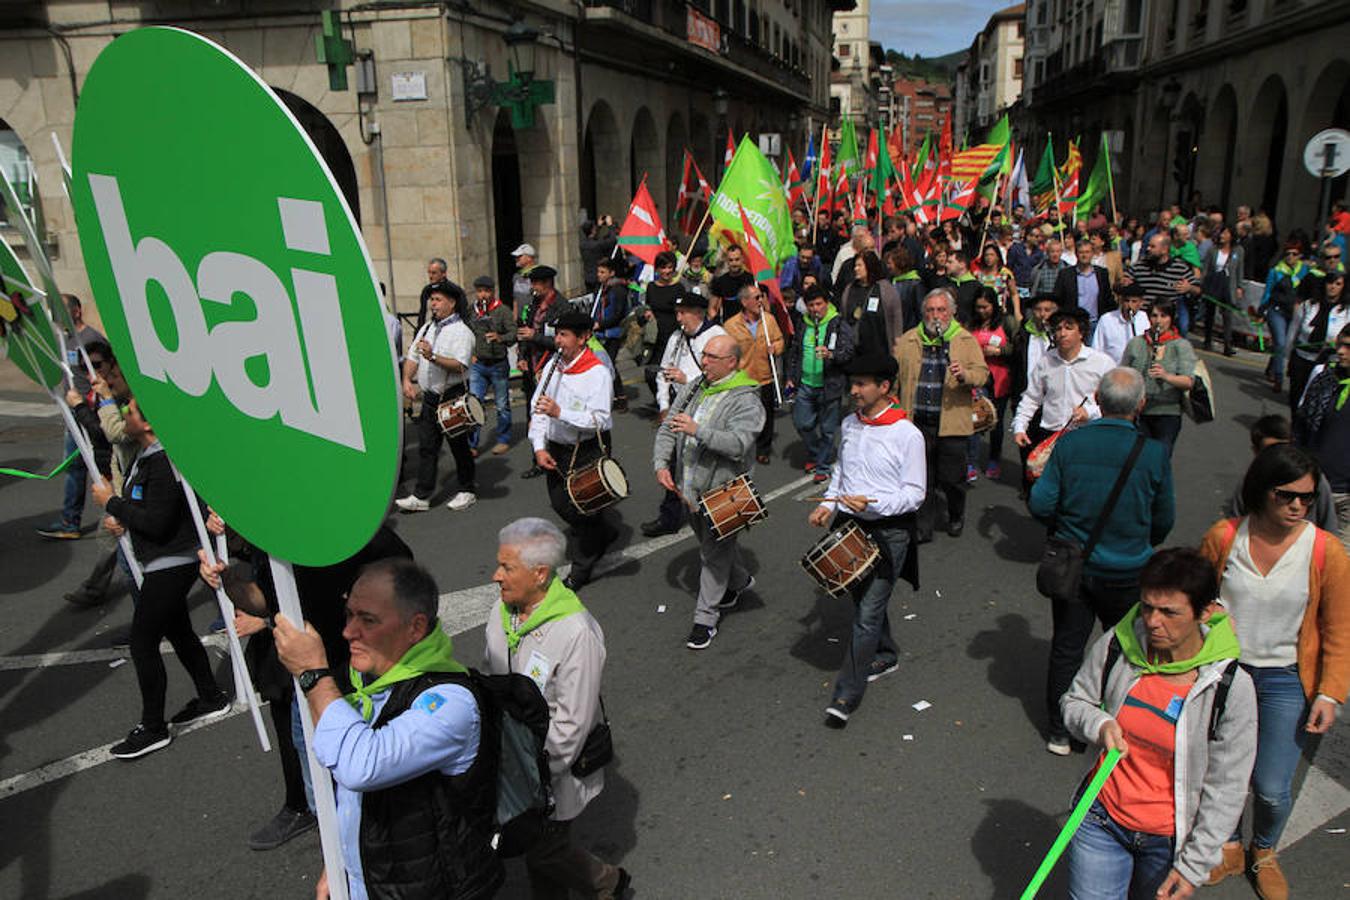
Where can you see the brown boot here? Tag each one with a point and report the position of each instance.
(1234, 861)
(1270, 882)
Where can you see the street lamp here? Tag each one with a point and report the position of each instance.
(520, 93)
(720, 102)
(522, 40)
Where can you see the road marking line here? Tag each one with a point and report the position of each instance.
(212, 641)
(1321, 799)
(28, 410)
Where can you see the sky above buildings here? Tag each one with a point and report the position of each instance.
(930, 27)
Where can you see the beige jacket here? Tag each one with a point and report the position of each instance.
(957, 412)
(569, 654)
(754, 350)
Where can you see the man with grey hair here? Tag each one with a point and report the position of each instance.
(709, 439)
(860, 241)
(540, 629)
(1072, 495)
(409, 747)
(437, 274)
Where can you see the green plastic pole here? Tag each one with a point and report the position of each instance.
(1075, 819)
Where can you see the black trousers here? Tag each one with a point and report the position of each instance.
(429, 437)
(162, 614)
(946, 473)
(280, 711)
(769, 400)
(1104, 600)
(593, 533)
(612, 347)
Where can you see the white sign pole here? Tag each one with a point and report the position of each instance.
(243, 688)
(325, 805)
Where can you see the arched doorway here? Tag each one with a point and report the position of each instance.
(700, 143)
(601, 148)
(17, 164)
(644, 156)
(676, 140)
(328, 141)
(1190, 126)
(507, 202)
(1218, 147)
(1155, 153)
(1263, 159)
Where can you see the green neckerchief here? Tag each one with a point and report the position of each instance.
(1220, 643)
(813, 367)
(946, 337)
(1188, 252)
(1032, 329)
(432, 653)
(963, 278)
(1344, 394)
(738, 379)
(594, 343)
(1295, 275)
(911, 275)
(559, 602)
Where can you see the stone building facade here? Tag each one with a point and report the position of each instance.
(431, 164)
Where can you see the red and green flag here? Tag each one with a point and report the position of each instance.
(795, 186)
(642, 234)
(765, 272)
(822, 198)
(693, 188)
(1044, 187)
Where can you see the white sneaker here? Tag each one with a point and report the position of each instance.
(412, 503)
(462, 500)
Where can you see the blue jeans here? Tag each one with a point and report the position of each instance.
(1281, 710)
(298, 739)
(816, 417)
(72, 509)
(1107, 862)
(1278, 323)
(499, 375)
(872, 641)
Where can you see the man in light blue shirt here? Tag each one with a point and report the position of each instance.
(416, 810)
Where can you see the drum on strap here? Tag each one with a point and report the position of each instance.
(593, 487)
(461, 415)
(731, 506)
(841, 559)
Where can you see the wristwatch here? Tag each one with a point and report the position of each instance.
(311, 677)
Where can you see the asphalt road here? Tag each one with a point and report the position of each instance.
(727, 785)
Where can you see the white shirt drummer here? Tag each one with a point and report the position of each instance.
(881, 458)
(449, 338)
(582, 391)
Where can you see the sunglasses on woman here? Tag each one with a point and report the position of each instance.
(1287, 497)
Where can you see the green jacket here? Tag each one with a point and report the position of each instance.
(1178, 358)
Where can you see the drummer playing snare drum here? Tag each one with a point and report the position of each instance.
(708, 439)
(569, 428)
(879, 483)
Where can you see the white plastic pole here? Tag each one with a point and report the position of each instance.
(242, 687)
(325, 805)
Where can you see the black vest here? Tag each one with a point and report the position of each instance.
(431, 837)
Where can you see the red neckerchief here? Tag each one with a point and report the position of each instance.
(1171, 335)
(889, 416)
(586, 361)
(492, 304)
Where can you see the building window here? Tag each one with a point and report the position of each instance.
(1021, 29)
(1017, 67)
(845, 50)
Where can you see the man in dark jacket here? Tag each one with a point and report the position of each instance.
(609, 308)
(597, 243)
(411, 750)
(494, 330)
(1071, 496)
(816, 369)
(1087, 287)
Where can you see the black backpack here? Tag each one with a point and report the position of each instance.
(524, 784)
(1220, 691)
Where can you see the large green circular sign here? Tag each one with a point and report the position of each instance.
(236, 290)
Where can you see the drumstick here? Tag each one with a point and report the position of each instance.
(833, 499)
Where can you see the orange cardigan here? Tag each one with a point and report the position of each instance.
(1324, 635)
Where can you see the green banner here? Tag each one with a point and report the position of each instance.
(20, 473)
(752, 181)
(26, 335)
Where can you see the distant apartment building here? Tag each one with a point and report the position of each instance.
(920, 106)
(989, 80)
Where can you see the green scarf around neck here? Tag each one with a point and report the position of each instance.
(559, 602)
(945, 338)
(1032, 328)
(1344, 394)
(911, 275)
(433, 653)
(1220, 643)
(738, 379)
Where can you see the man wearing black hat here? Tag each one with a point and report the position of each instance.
(879, 482)
(1123, 324)
(494, 330)
(535, 332)
(1032, 340)
(569, 428)
(681, 363)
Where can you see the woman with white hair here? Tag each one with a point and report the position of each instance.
(540, 629)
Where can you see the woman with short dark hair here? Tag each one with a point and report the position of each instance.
(1167, 362)
(1164, 688)
(870, 305)
(1287, 584)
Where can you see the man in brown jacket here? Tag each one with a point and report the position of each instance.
(940, 365)
(757, 335)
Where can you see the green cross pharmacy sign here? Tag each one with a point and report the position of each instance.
(238, 294)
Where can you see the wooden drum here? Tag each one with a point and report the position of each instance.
(842, 559)
(593, 487)
(731, 506)
(461, 415)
